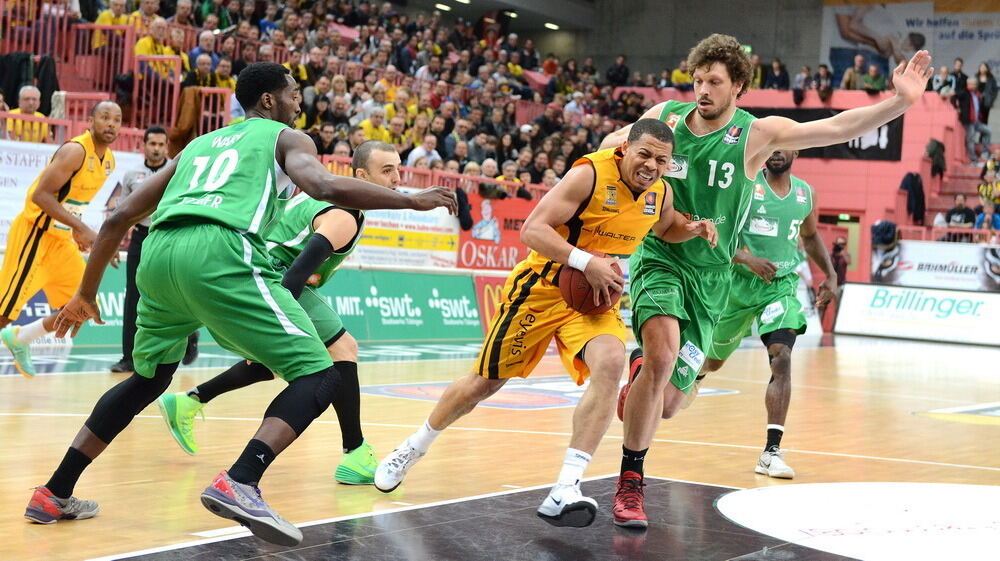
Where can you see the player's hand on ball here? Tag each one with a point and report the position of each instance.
(827, 291)
(704, 229)
(763, 268)
(603, 279)
(73, 315)
(433, 197)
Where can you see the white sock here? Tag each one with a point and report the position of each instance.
(422, 439)
(574, 464)
(28, 333)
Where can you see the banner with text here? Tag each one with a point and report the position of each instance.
(408, 238)
(882, 143)
(22, 162)
(914, 313)
(489, 290)
(887, 32)
(961, 266)
(494, 242)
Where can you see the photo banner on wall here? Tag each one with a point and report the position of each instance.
(882, 143)
(887, 32)
(494, 241)
(408, 238)
(959, 266)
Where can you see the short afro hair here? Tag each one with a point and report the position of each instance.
(653, 127)
(258, 79)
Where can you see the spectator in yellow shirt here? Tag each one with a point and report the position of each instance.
(681, 77)
(224, 74)
(401, 107)
(153, 45)
(28, 101)
(143, 18)
(115, 15)
(176, 48)
(374, 126)
(514, 68)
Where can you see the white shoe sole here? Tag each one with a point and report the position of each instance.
(263, 528)
(574, 515)
(761, 470)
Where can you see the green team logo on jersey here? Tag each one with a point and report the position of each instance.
(678, 168)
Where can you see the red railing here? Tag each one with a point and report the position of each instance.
(36, 27)
(28, 128)
(129, 140)
(963, 235)
(190, 36)
(907, 232)
(100, 52)
(215, 105)
(77, 105)
(155, 90)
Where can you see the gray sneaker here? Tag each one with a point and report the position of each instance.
(244, 504)
(46, 508)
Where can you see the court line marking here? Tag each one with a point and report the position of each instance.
(845, 390)
(566, 434)
(245, 533)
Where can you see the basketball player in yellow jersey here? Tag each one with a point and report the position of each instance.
(46, 238)
(607, 202)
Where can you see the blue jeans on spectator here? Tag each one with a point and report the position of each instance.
(985, 138)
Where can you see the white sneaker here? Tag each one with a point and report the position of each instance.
(773, 465)
(393, 468)
(566, 506)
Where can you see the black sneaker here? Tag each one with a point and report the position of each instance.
(191, 353)
(123, 365)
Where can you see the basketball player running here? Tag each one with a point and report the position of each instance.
(46, 238)
(679, 291)
(312, 239)
(764, 291)
(607, 202)
(206, 264)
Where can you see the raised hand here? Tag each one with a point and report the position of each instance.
(910, 78)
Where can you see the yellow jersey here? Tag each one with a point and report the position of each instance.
(77, 193)
(106, 18)
(613, 221)
(375, 133)
(26, 131)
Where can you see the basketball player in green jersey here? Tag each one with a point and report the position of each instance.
(312, 239)
(764, 291)
(679, 291)
(207, 264)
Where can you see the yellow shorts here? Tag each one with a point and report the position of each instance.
(531, 312)
(38, 260)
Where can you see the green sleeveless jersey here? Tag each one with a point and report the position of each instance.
(289, 237)
(772, 231)
(709, 182)
(230, 177)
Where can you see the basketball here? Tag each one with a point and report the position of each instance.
(577, 292)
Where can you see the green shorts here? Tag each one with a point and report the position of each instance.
(661, 285)
(751, 300)
(196, 274)
(327, 321)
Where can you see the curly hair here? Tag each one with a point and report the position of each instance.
(727, 50)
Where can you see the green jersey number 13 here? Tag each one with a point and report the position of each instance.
(726, 174)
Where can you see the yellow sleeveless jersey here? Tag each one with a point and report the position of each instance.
(77, 193)
(614, 220)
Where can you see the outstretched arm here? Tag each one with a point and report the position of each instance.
(296, 154)
(674, 227)
(780, 133)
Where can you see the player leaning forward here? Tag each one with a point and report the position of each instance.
(679, 290)
(607, 202)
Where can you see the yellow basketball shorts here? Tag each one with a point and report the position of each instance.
(532, 312)
(38, 260)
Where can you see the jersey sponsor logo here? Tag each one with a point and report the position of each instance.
(649, 208)
(601, 232)
(90, 163)
(678, 168)
(518, 345)
(224, 141)
(800, 196)
(764, 226)
(732, 135)
(672, 120)
(611, 195)
(692, 355)
(696, 217)
(758, 192)
(107, 168)
(772, 312)
(683, 370)
(761, 210)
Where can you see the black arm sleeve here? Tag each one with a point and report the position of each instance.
(317, 250)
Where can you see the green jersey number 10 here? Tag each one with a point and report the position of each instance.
(223, 166)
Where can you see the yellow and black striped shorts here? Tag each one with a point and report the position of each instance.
(532, 312)
(38, 260)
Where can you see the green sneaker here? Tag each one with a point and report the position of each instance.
(21, 351)
(179, 410)
(358, 466)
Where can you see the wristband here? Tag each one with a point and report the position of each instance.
(579, 258)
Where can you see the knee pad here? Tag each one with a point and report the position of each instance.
(782, 336)
(305, 399)
(119, 405)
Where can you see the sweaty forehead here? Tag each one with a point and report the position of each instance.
(653, 145)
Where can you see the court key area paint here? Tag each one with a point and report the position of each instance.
(876, 521)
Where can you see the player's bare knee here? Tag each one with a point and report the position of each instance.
(660, 365)
(482, 388)
(344, 349)
(607, 369)
(780, 357)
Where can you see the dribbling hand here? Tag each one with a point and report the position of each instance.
(73, 315)
(603, 278)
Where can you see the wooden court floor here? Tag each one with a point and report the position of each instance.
(862, 410)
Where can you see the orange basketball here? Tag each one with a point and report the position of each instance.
(578, 293)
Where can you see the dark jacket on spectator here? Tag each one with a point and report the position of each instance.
(962, 100)
(777, 81)
(618, 75)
